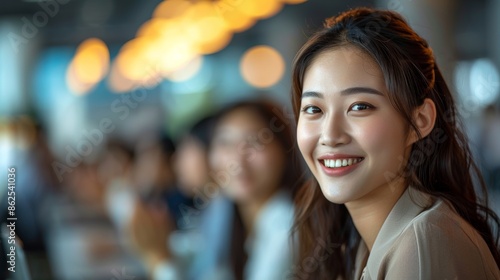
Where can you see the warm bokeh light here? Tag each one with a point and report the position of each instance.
(136, 59)
(236, 20)
(165, 47)
(260, 8)
(188, 71)
(156, 27)
(262, 66)
(205, 29)
(209, 35)
(89, 65)
(174, 54)
(171, 8)
(170, 44)
(76, 86)
(117, 82)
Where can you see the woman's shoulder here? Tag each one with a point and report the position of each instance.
(441, 217)
(443, 244)
(428, 216)
(442, 224)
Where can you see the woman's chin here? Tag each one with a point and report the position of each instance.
(336, 195)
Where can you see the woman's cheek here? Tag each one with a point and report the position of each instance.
(370, 135)
(382, 139)
(266, 158)
(217, 160)
(307, 137)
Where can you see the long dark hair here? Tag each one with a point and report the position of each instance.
(440, 164)
(277, 123)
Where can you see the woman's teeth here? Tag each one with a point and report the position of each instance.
(334, 163)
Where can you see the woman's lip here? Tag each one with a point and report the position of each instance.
(338, 156)
(339, 171)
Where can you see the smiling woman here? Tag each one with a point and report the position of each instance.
(346, 117)
(376, 126)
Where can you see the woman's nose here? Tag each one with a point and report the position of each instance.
(334, 132)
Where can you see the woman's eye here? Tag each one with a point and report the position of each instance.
(361, 107)
(311, 110)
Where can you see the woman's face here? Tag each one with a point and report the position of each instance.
(350, 135)
(191, 165)
(246, 158)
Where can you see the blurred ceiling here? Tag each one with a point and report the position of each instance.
(117, 21)
(72, 21)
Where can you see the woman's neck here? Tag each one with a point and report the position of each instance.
(250, 210)
(370, 212)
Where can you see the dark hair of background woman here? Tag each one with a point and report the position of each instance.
(411, 75)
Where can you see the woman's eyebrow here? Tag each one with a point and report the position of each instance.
(354, 90)
(347, 91)
(311, 94)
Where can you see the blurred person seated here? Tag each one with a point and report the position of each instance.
(154, 175)
(178, 218)
(192, 169)
(247, 208)
(116, 174)
(153, 172)
(85, 218)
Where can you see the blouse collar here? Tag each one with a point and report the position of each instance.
(409, 206)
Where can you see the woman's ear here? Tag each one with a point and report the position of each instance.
(424, 118)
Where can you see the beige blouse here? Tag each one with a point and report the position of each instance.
(423, 238)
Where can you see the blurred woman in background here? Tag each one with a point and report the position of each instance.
(247, 207)
(253, 161)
